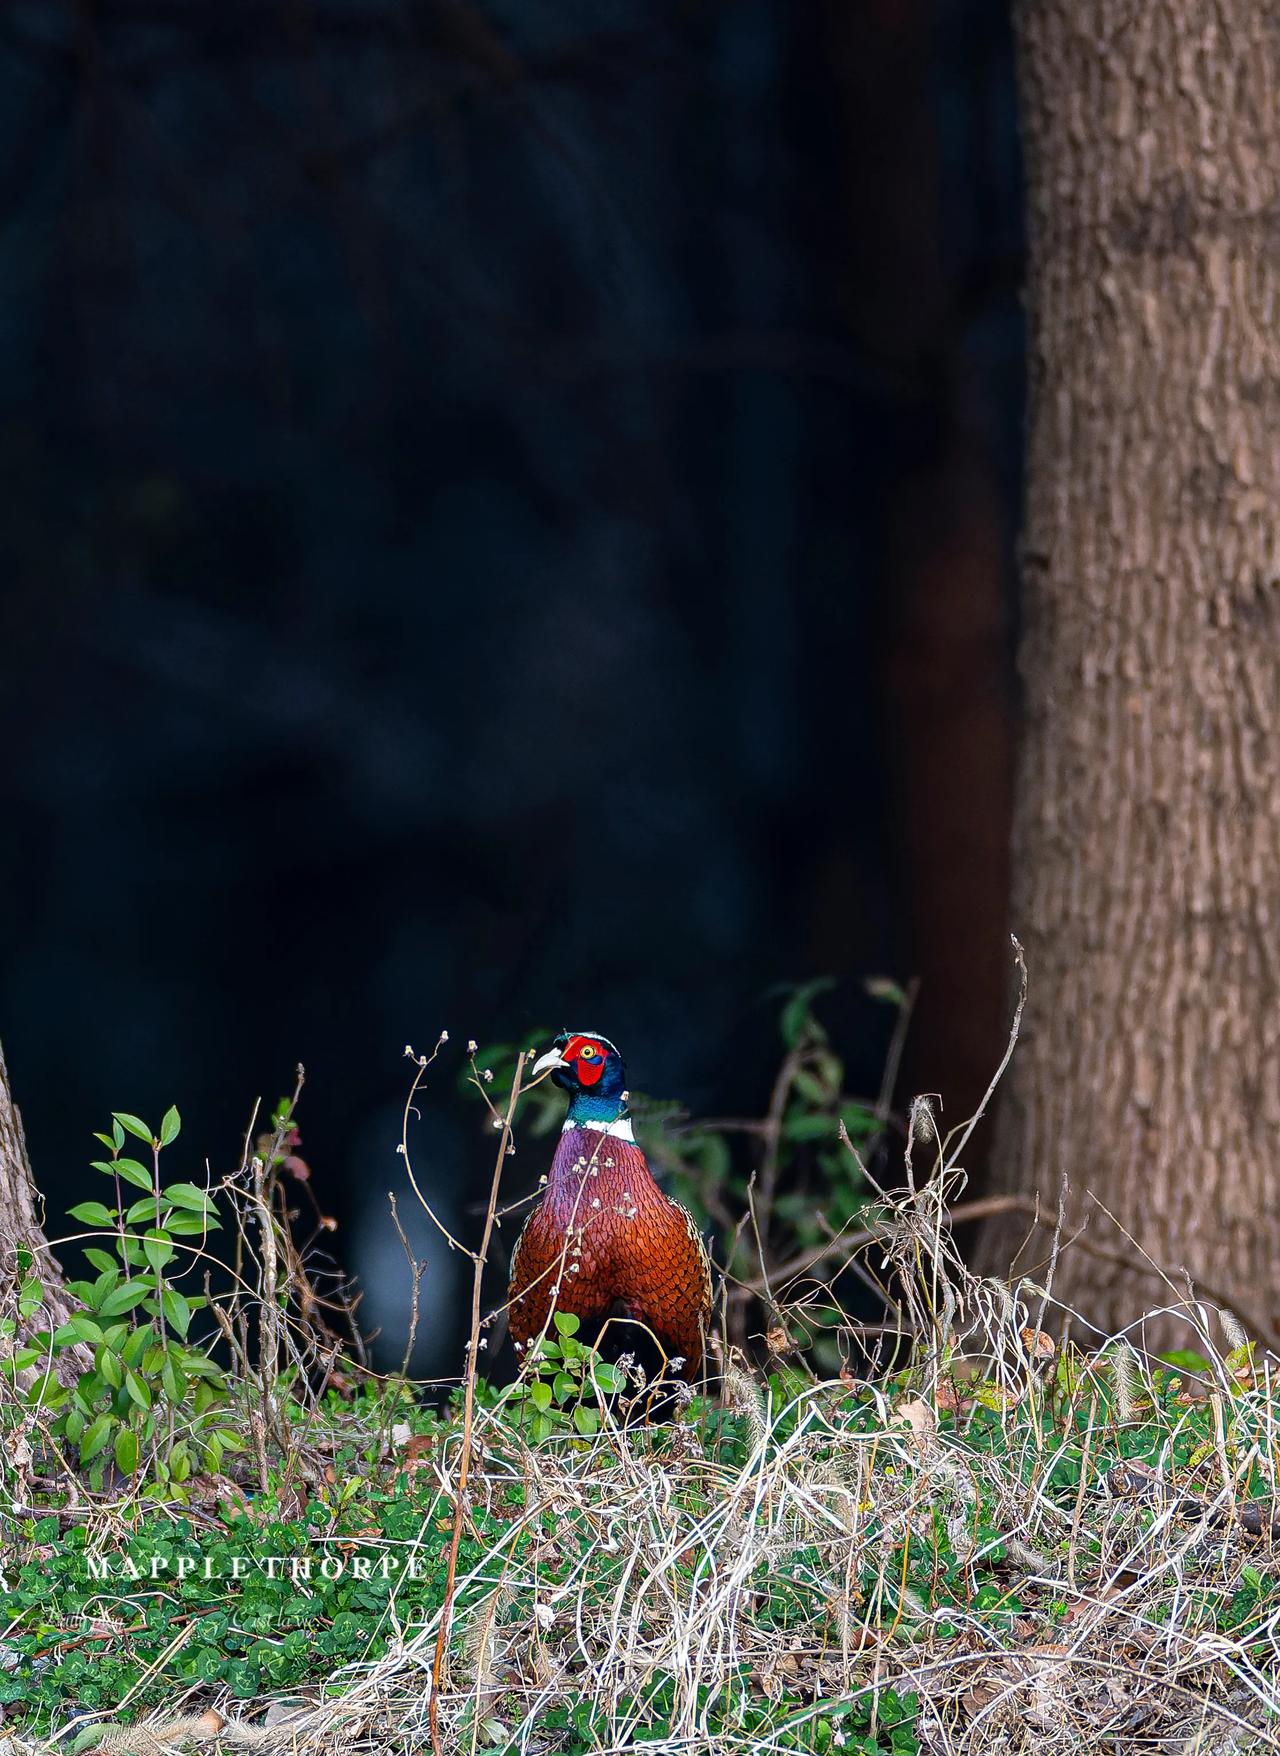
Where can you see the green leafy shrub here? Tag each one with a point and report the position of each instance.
(152, 1405)
(562, 1388)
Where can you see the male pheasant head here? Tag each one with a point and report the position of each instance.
(590, 1069)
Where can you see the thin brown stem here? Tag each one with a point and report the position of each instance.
(851, 1241)
(468, 1412)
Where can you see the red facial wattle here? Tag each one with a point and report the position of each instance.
(587, 1059)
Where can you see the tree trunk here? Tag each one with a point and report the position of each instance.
(21, 1229)
(1147, 819)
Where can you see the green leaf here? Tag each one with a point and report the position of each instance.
(177, 1311)
(175, 1384)
(146, 1209)
(130, 1170)
(190, 1225)
(134, 1125)
(124, 1298)
(566, 1323)
(860, 1122)
(565, 1388)
(586, 1420)
(95, 1436)
(109, 1367)
(797, 1016)
(610, 1378)
(100, 1259)
(712, 1153)
(82, 1328)
(92, 1213)
(1187, 1359)
(812, 1089)
(46, 1392)
(180, 1461)
(171, 1126)
(136, 1344)
(809, 1127)
(187, 1195)
(158, 1248)
(91, 1293)
(136, 1390)
(540, 1395)
(126, 1451)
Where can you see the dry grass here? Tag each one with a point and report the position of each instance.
(971, 1535)
(1011, 1544)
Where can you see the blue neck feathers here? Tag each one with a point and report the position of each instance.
(592, 1106)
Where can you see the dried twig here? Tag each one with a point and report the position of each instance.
(468, 1407)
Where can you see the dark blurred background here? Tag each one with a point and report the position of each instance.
(508, 513)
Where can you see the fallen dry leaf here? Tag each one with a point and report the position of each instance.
(919, 1416)
(1039, 1345)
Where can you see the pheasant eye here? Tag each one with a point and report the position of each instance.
(588, 1054)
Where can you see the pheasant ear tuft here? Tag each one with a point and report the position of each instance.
(598, 1037)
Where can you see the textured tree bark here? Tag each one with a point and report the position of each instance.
(1147, 818)
(21, 1228)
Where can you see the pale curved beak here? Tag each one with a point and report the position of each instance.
(552, 1058)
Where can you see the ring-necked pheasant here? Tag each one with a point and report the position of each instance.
(604, 1242)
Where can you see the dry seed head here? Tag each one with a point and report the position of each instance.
(1124, 1363)
(923, 1125)
(1002, 1298)
(746, 1398)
